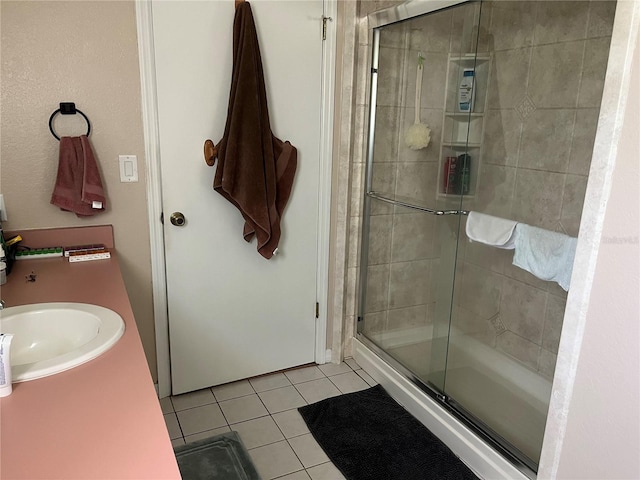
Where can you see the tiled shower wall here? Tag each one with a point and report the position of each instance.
(548, 70)
(545, 85)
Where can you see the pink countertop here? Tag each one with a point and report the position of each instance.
(100, 420)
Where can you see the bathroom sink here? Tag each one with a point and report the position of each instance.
(50, 338)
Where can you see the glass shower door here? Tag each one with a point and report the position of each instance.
(412, 208)
(511, 135)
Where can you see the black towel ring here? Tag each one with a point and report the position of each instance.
(67, 108)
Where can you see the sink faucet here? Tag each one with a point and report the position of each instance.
(1, 304)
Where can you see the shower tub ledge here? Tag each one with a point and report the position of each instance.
(473, 451)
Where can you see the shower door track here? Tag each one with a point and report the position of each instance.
(478, 427)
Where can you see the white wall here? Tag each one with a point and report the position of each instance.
(602, 436)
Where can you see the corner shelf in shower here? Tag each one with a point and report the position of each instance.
(462, 132)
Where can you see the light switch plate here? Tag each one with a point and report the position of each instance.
(128, 168)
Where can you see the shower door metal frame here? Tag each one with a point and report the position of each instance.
(399, 13)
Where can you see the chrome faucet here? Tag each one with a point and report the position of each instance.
(1, 304)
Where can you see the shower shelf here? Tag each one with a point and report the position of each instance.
(470, 58)
(462, 132)
(461, 145)
(463, 115)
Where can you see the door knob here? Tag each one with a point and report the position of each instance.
(177, 219)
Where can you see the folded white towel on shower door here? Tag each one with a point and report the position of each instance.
(547, 255)
(490, 230)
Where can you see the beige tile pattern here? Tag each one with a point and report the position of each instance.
(232, 390)
(561, 21)
(258, 432)
(192, 399)
(269, 382)
(594, 69)
(317, 390)
(533, 167)
(282, 399)
(555, 74)
(308, 450)
(519, 348)
(279, 444)
(600, 14)
(304, 374)
(584, 134)
(521, 309)
(512, 24)
(243, 408)
(275, 460)
(290, 423)
(200, 419)
(206, 434)
(546, 140)
(325, 471)
(349, 382)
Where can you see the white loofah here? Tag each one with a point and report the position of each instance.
(418, 135)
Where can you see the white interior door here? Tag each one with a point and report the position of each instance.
(233, 314)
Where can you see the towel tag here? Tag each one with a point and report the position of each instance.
(97, 205)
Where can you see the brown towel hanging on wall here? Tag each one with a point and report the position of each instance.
(255, 169)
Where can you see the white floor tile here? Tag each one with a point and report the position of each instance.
(166, 405)
(201, 419)
(301, 475)
(317, 390)
(275, 460)
(258, 432)
(326, 471)
(349, 382)
(365, 376)
(330, 369)
(207, 434)
(352, 363)
(282, 399)
(304, 374)
(176, 442)
(232, 390)
(243, 408)
(193, 399)
(270, 382)
(308, 450)
(291, 423)
(173, 427)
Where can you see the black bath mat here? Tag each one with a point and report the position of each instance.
(222, 457)
(368, 436)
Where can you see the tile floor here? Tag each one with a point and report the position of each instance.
(264, 412)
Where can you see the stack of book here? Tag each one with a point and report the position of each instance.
(84, 253)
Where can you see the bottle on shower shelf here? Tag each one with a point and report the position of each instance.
(450, 175)
(463, 181)
(466, 90)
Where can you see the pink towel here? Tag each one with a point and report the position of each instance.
(78, 187)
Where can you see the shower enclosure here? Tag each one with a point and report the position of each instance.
(475, 332)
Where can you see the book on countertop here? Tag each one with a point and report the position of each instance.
(87, 256)
(96, 248)
(38, 253)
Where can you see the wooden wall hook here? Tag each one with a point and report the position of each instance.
(210, 153)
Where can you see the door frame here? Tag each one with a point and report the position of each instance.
(148, 91)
